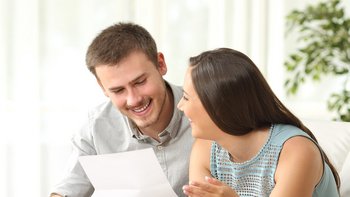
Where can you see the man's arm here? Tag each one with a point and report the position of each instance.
(75, 182)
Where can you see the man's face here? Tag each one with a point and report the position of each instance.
(136, 87)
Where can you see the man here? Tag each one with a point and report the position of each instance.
(141, 111)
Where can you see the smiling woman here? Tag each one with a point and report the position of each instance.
(45, 88)
(248, 143)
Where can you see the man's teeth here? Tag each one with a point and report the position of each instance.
(142, 108)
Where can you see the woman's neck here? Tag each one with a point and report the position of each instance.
(245, 147)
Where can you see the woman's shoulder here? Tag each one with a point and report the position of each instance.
(201, 150)
(200, 159)
(301, 161)
(201, 145)
(280, 133)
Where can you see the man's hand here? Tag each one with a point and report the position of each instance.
(210, 188)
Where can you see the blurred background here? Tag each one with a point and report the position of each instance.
(46, 89)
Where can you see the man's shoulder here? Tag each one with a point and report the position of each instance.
(176, 90)
(104, 109)
(102, 120)
(174, 86)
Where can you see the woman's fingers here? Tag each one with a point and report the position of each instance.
(213, 181)
(210, 188)
(193, 191)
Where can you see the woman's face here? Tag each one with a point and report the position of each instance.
(202, 125)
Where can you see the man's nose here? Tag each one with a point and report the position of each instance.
(134, 98)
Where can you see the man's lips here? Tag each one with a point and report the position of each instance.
(141, 109)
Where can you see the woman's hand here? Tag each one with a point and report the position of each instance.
(211, 188)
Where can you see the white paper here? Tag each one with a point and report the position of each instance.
(130, 174)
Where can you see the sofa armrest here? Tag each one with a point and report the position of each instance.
(334, 139)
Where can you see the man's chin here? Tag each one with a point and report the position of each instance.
(143, 123)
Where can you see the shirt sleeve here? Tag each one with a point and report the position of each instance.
(75, 183)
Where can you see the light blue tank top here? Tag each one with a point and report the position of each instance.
(255, 177)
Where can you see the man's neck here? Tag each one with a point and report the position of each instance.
(164, 117)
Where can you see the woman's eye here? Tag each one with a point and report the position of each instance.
(185, 98)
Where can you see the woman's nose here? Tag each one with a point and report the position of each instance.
(179, 105)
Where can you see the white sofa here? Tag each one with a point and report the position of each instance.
(334, 138)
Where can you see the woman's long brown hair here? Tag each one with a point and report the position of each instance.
(238, 98)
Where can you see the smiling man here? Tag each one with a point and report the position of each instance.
(141, 111)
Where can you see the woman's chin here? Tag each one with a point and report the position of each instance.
(198, 136)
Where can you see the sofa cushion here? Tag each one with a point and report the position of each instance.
(345, 178)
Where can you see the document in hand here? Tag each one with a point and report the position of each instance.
(129, 174)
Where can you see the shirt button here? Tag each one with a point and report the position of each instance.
(160, 147)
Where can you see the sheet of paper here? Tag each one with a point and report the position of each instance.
(130, 174)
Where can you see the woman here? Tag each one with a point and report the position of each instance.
(248, 143)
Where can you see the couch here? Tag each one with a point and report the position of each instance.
(334, 138)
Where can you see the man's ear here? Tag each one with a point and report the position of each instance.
(162, 65)
(101, 86)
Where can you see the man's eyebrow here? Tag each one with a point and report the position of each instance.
(112, 89)
(138, 78)
(132, 81)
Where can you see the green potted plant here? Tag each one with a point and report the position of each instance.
(323, 33)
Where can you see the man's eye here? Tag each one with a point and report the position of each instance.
(140, 82)
(118, 91)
